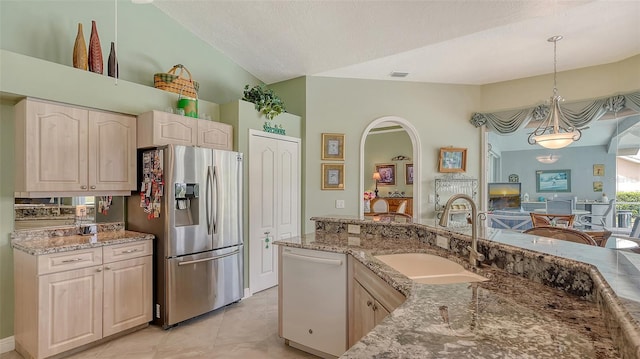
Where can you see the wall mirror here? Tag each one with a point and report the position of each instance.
(390, 144)
(37, 213)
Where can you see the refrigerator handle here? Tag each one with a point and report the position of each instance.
(208, 198)
(214, 215)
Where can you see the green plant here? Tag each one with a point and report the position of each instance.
(629, 197)
(265, 100)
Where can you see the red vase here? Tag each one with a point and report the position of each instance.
(95, 51)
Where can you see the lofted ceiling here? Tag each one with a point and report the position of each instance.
(452, 41)
(436, 41)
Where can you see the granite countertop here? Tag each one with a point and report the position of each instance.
(508, 316)
(38, 242)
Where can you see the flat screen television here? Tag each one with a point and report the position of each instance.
(504, 196)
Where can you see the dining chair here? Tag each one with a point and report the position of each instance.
(565, 234)
(635, 230)
(402, 208)
(587, 220)
(380, 205)
(546, 219)
(393, 217)
(512, 222)
(600, 237)
(561, 206)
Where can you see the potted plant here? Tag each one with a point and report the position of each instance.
(265, 100)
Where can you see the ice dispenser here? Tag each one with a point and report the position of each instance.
(186, 203)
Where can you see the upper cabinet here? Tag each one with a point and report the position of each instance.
(157, 128)
(62, 150)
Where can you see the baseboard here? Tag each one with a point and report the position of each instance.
(7, 344)
(247, 293)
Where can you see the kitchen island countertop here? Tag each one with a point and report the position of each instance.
(508, 316)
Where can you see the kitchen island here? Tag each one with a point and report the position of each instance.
(518, 313)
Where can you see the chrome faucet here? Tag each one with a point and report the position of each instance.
(474, 256)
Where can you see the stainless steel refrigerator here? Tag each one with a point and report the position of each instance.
(190, 198)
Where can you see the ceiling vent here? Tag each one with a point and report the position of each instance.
(399, 74)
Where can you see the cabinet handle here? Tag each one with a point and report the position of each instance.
(99, 269)
(107, 268)
(93, 187)
(375, 307)
(369, 303)
(130, 251)
(72, 260)
(83, 187)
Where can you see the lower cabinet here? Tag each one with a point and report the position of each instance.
(70, 299)
(371, 300)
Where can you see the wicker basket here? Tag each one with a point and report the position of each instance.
(172, 82)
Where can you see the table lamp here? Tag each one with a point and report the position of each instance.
(377, 177)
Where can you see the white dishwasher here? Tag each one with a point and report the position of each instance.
(314, 300)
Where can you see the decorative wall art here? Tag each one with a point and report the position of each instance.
(597, 186)
(598, 170)
(408, 173)
(387, 174)
(452, 159)
(553, 181)
(333, 146)
(332, 176)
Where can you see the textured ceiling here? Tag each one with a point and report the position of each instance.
(457, 41)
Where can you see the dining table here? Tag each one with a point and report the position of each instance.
(577, 212)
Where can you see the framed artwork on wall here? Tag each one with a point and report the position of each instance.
(553, 181)
(387, 173)
(597, 186)
(598, 170)
(332, 146)
(332, 176)
(408, 173)
(452, 159)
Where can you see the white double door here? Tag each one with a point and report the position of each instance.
(274, 202)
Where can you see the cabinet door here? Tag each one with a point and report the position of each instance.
(215, 135)
(70, 310)
(157, 128)
(112, 152)
(379, 312)
(127, 294)
(51, 144)
(363, 316)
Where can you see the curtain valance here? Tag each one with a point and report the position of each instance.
(510, 121)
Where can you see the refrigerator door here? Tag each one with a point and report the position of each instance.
(187, 165)
(203, 282)
(226, 200)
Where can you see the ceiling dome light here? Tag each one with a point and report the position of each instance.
(548, 159)
(551, 133)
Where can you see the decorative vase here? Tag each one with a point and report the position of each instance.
(80, 50)
(367, 205)
(112, 63)
(95, 51)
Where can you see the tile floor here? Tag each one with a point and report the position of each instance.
(248, 330)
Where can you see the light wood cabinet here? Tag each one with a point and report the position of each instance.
(372, 299)
(63, 149)
(157, 128)
(70, 299)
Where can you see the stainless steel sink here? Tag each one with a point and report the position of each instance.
(429, 269)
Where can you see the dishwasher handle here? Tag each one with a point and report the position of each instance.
(320, 260)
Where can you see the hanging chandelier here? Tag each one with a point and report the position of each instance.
(552, 133)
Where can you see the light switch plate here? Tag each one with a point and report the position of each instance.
(81, 210)
(340, 203)
(432, 198)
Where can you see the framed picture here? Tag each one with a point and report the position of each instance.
(332, 176)
(598, 170)
(597, 186)
(333, 146)
(553, 181)
(453, 159)
(387, 174)
(408, 173)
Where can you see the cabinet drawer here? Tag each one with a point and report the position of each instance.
(58, 262)
(379, 289)
(120, 252)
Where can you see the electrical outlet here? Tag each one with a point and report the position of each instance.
(432, 198)
(442, 242)
(340, 203)
(81, 210)
(353, 229)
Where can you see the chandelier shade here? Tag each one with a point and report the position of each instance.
(553, 132)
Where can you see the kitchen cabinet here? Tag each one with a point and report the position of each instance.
(70, 299)
(371, 300)
(158, 128)
(313, 300)
(66, 150)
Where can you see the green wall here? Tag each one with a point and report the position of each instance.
(6, 218)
